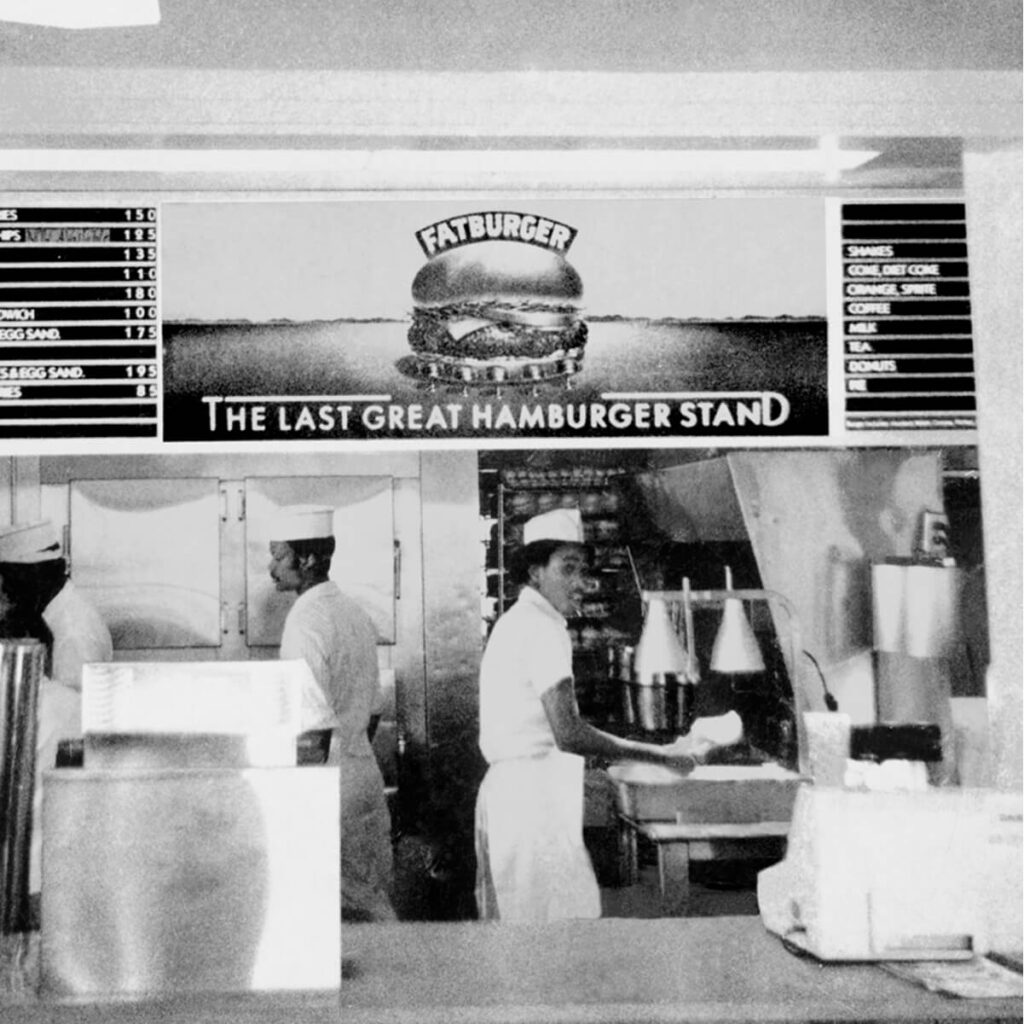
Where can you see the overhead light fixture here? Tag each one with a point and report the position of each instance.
(736, 650)
(394, 168)
(81, 13)
(660, 652)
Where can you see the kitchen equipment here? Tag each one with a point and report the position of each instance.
(898, 875)
(828, 746)
(164, 881)
(735, 651)
(21, 667)
(190, 852)
(658, 694)
(258, 702)
(786, 693)
(710, 793)
(916, 631)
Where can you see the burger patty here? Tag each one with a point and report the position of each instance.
(498, 337)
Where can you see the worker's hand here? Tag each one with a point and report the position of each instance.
(705, 735)
(680, 755)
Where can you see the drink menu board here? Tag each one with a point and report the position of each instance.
(79, 322)
(907, 343)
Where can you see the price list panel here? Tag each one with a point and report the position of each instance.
(907, 344)
(79, 322)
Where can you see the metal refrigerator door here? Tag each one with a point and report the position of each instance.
(365, 560)
(147, 553)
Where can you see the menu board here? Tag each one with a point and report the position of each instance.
(908, 355)
(79, 321)
(193, 319)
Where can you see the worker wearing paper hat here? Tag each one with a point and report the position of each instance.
(532, 865)
(34, 580)
(302, 522)
(561, 524)
(338, 640)
(37, 593)
(29, 543)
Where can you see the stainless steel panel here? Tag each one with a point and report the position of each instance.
(364, 564)
(21, 667)
(170, 881)
(147, 553)
(104, 751)
(712, 793)
(694, 502)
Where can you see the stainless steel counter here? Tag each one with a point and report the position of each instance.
(669, 970)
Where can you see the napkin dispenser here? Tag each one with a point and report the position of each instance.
(898, 875)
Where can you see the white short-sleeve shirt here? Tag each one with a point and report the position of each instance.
(528, 652)
(338, 641)
(79, 633)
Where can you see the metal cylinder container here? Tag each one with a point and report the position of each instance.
(659, 704)
(21, 668)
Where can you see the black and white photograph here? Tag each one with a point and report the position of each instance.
(511, 513)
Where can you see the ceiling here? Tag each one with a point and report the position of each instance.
(918, 75)
(541, 35)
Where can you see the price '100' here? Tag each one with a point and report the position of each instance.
(140, 312)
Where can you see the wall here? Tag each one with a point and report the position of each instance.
(992, 180)
(536, 35)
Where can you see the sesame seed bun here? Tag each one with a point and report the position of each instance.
(496, 271)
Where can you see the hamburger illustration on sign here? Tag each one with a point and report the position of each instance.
(497, 302)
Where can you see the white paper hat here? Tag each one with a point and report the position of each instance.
(30, 542)
(564, 524)
(302, 522)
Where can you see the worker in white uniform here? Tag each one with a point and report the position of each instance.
(34, 587)
(338, 641)
(532, 864)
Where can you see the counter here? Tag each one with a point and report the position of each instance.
(725, 969)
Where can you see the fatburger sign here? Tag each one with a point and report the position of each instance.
(496, 301)
(500, 225)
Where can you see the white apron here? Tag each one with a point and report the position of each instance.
(531, 861)
(366, 857)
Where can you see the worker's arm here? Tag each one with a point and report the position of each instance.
(574, 735)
